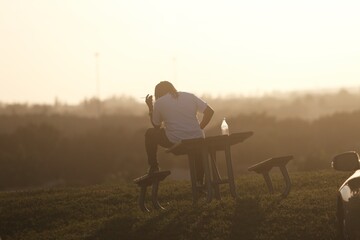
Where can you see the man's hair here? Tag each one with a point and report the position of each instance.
(164, 88)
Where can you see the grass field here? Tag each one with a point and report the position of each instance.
(110, 211)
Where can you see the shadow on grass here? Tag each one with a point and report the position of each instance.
(186, 222)
(243, 219)
(246, 219)
(174, 223)
(130, 227)
(115, 228)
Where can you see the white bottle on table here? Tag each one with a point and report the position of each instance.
(224, 127)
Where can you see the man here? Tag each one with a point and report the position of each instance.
(177, 111)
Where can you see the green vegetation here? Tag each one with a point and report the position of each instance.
(110, 211)
(97, 141)
(41, 150)
(64, 150)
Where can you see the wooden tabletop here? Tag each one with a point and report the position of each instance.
(214, 143)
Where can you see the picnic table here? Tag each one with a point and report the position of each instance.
(205, 147)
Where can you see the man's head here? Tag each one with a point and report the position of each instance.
(164, 88)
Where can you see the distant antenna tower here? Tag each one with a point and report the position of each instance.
(97, 55)
(98, 108)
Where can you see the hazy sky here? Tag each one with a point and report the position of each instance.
(47, 47)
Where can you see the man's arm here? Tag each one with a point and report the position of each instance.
(208, 113)
(151, 120)
(149, 103)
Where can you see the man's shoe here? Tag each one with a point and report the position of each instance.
(153, 169)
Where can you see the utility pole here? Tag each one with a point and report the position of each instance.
(97, 55)
(98, 107)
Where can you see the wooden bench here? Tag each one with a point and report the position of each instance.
(153, 179)
(206, 147)
(264, 168)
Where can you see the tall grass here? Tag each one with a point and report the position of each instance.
(110, 211)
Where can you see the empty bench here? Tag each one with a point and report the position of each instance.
(264, 168)
(153, 179)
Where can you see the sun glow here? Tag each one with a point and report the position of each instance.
(230, 47)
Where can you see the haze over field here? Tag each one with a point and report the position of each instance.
(75, 130)
(48, 48)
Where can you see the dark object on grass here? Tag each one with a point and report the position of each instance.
(264, 168)
(153, 179)
(348, 199)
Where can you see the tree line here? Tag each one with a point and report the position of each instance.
(46, 150)
(304, 105)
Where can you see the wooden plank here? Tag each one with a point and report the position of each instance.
(266, 165)
(216, 143)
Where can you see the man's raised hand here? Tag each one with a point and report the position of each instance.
(149, 101)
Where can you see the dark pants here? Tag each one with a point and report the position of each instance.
(155, 137)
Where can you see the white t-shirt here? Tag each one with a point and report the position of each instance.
(179, 116)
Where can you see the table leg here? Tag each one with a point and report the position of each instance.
(230, 171)
(205, 159)
(192, 163)
(215, 175)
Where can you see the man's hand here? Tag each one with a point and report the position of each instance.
(149, 101)
(208, 113)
